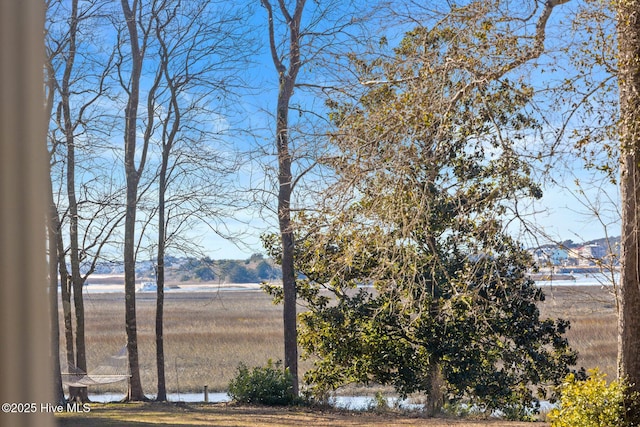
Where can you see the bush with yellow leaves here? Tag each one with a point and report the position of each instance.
(590, 403)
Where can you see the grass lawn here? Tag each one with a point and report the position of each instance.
(227, 415)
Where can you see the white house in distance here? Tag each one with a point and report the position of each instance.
(582, 256)
(587, 255)
(550, 255)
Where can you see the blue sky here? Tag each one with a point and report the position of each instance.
(562, 212)
(567, 209)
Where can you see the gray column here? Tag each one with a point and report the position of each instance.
(25, 368)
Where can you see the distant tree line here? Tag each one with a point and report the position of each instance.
(252, 270)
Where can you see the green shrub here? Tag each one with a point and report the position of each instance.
(590, 403)
(269, 385)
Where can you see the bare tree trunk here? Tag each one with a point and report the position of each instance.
(135, 391)
(628, 28)
(437, 387)
(80, 394)
(167, 145)
(162, 387)
(65, 294)
(629, 292)
(284, 219)
(54, 228)
(287, 76)
(53, 225)
(67, 314)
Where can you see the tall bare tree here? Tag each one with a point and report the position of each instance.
(615, 150)
(628, 31)
(76, 83)
(200, 55)
(53, 229)
(185, 39)
(133, 173)
(54, 221)
(288, 66)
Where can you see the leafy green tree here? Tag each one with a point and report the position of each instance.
(427, 291)
(450, 324)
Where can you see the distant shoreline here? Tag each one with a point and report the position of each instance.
(547, 277)
(109, 283)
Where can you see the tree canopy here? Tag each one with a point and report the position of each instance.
(410, 276)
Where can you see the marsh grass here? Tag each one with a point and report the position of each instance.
(593, 333)
(207, 335)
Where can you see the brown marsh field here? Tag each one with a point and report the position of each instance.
(207, 334)
(593, 333)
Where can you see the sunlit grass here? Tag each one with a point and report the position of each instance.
(148, 415)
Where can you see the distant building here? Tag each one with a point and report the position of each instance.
(597, 253)
(588, 255)
(550, 255)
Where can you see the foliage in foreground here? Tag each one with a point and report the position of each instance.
(591, 402)
(470, 332)
(268, 385)
(410, 277)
